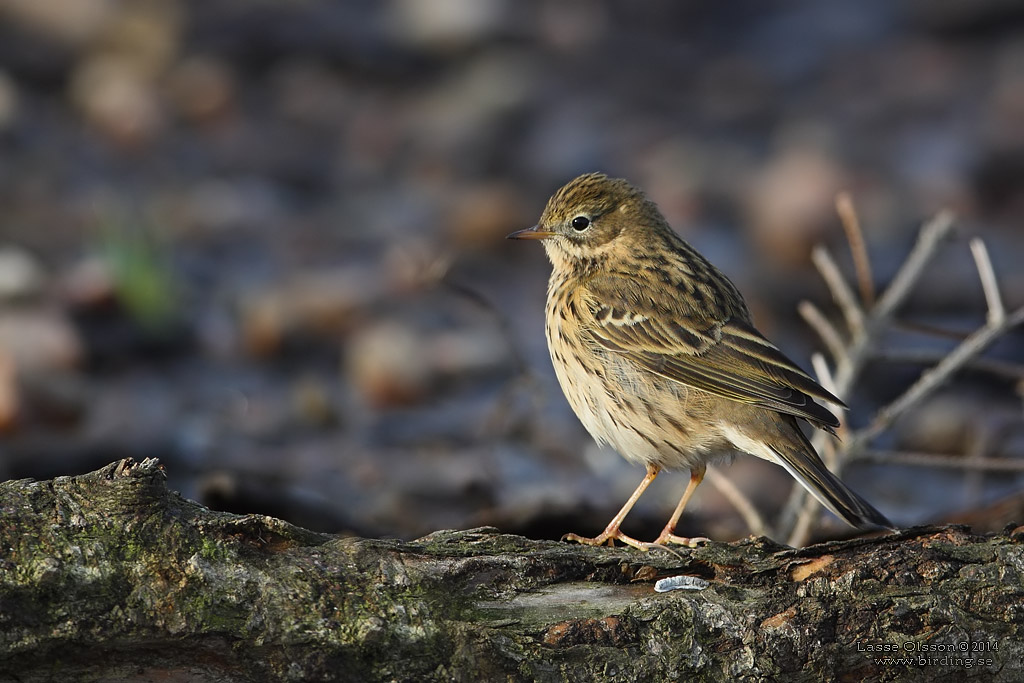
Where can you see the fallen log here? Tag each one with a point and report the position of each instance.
(111, 576)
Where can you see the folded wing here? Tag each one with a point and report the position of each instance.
(693, 340)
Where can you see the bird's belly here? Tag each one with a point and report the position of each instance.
(646, 418)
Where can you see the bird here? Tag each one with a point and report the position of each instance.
(657, 354)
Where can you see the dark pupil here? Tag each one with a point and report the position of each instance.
(581, 223)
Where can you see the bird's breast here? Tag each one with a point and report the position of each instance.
(646, 418)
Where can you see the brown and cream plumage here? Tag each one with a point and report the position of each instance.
(656, 352)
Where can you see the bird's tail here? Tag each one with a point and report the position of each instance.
(807, 468)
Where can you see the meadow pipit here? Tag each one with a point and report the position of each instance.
(656, 352)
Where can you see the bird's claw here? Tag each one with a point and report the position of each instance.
(608, 536)
(666, 538)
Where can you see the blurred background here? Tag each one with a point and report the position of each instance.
(264, 241)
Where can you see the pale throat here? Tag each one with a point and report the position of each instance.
(568, 258)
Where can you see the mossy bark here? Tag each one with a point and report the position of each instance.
(110, 576)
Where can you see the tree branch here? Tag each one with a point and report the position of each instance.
(110, 576)
(867, 322)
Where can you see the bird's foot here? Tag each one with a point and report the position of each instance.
(608, 536)
(666, 537)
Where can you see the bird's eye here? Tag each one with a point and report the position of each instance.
(580, 223)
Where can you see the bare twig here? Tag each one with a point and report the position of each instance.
(826, 380)
(753, 519)
(931, 236)
(865, 328)
(867, 320)
(924, 387)
(1000, 368)
(933, 378)
(996, 311)
(807, 513)
(958, 462)
(813, 316)
(855, 237)
(823, 372)
(979, 445)
(497, 419)
(929, 329)
(928, 242)
(841, 292)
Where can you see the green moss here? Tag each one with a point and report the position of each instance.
(140, 265)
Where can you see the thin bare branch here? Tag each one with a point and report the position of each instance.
(808, 511)
(867, 326)
(992, 366)
(982, 438)
(958, 462)
(799, 511)
(813, 316)
(932, 234)
(996, 310)
(826, 380)
(855, 236)
(753, 519)
(918, 327)
(933, 378)
(841, 292)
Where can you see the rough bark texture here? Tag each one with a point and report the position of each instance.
(110, 576)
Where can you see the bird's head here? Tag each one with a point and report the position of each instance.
(590, 218)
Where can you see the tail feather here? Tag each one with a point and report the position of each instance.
(808, 469)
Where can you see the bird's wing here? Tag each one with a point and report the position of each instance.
(709, 347)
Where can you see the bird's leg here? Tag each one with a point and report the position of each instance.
(612, 532)
(668, 533)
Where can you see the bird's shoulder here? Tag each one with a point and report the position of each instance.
(670, 299)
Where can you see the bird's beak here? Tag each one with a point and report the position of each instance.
(534, 233)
